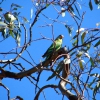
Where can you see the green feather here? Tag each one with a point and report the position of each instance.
(55, 46)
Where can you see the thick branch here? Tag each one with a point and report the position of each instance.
(62, 83)
(44, 87)
(5, 74)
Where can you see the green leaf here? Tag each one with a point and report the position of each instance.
(19, 29)
(75, 37)
(77, 17)
(68, 0)
(80, 53)
(2, 24)
(69, 29)
(75, 42)
(9, 17)
(16, 13)
(72, 11)
(18, 23)
(93, 81)
(92, 62)
(25, 20)
(1, 9)
(14, 8)
(18, 38)
(82, 37)
(72, 53)
(3, 32)
(47, 5)
(77, 9)
(31, 12)
(88, 85)
(81, 64)
(90, 5)
(58, 70)
(88, 46)
(87, 54)
(98, 43)
(71, 8)
(96, 88)
(15, 5)
(95, 30)
(11, 33)
(96, 2)
(95, 75)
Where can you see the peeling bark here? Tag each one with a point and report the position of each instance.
(62, 83)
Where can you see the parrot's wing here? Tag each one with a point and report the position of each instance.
(54, 47)
(49, 50)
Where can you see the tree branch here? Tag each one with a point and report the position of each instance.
(20, 75)
(44, 87)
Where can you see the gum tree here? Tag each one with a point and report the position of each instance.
(75, 65)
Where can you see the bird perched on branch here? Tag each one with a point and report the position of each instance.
(55, 46)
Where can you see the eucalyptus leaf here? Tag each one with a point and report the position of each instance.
(77, 9)
(88, 46)
(81, 64)
(96, 1)
(80, 53)
(1, 9)
(77, 17)
(96, 88)
(58, 70)
(69, 29)
(31, 12)
(88, 85)
(16, 5)
(25, 20)
(3, 32)
(9, 17)
(97, 75)
(11, 33)
(97, 44)
(18, 38)
(82, 37)
(90, 5)
(93, 81)
(47, 5)
(75, 37)
(2, 25)
(87, 55)
(92, 62)
(74, 43)
(14, 8)
(72, 53)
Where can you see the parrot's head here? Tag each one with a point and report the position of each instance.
(61, 36)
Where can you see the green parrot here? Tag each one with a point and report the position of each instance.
(55, 46)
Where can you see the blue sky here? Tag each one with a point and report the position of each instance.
(24, 88)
